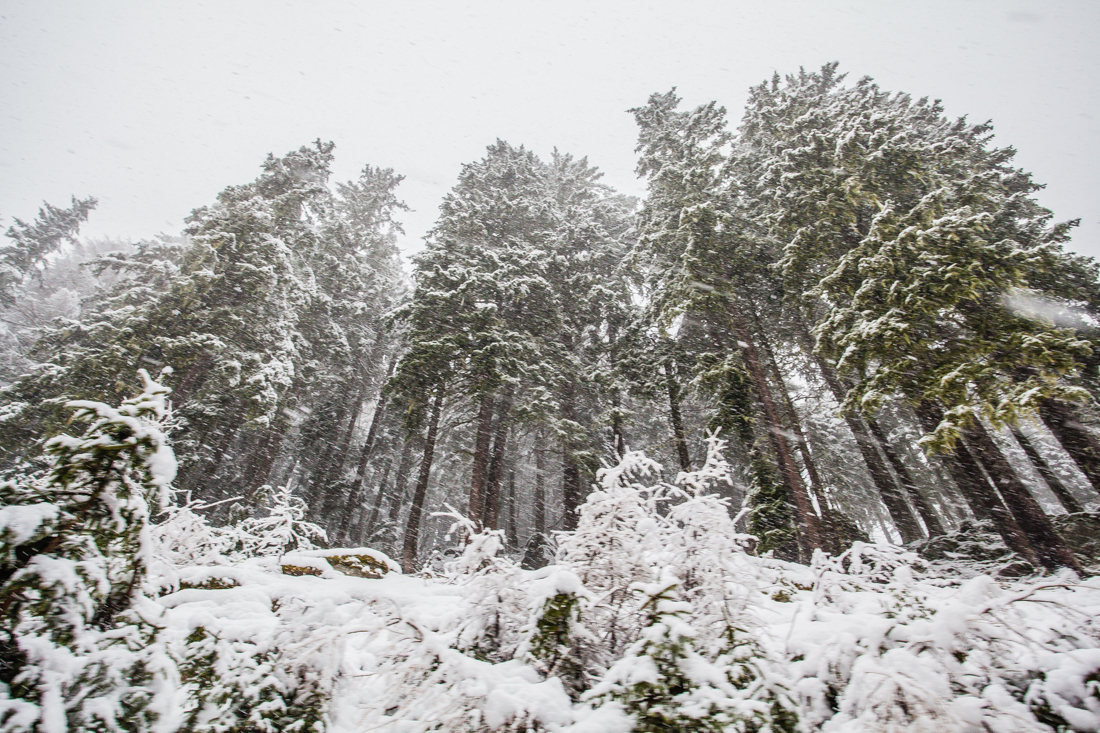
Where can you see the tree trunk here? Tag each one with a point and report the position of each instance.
(493, 494)
(570, 471)
(811, 536)
(376, 504)
(512, 535)
(830, 533)
(479, 470)
(618, 441)
(1069, 501)
(331, 466)
(1061, 419)
(982, 497)
(416, 509)
(367, 450)
(868, 447)
(401, 481)
(262, 458)
(927, 513)
(540, 490)
(1051, 548)
(678, 434)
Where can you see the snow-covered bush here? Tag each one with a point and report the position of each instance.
(653, 617)
(284, 529)
(557, 642)
(662, 680)
(74, 549)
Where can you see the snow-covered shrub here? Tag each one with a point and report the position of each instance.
(653, 617)
(284, 529)
(886, 646)
(185, 538)
(662, 680)
(492, 587)
(557, 642)
(620, 534)
(268, 676)
(74, 550)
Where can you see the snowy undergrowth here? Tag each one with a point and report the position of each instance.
(653, 618)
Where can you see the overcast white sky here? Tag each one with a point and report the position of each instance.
(154, 107)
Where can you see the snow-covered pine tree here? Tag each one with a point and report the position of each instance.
(591, 304)
(347, 338)
(32, 243)
(908, 232)
(514, 294)
(74, 551)
(703, 268)
(269, 313)
(479, 299)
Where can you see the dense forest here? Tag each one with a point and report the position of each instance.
(836, 352)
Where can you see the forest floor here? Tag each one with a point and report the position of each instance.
(875, 640)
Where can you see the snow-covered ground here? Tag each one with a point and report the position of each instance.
(653, 615)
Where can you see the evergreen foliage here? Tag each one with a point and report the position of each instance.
(837, 322)
(31, 244)
(76, 548)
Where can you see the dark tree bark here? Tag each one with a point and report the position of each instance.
(868, 447)
(262, 459)
(496, 461)
(401, 481)
(336, 502)
(367, 450)
(416, 509)
(979, 493)
(1051, 548)
(1061, 419)
(570, 471)
(830, 533)
(678, 434)
(618, 440)
(811, 536)
(540, 490)
(512, 535)
(376, 503)
(480, 465)
(927, 513)
(1069, 501)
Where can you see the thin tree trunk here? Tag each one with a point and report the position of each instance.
(416, 509)
(618, 442)
(978, 492)
(931, 519)
(570, 471)
(376, 504)
(830, 532)
(1069, 501)
(496, 461)
(811, 536)
(401, 481)
(540, 490)
(868, 447)
(479, 470)
(332, 464)
(1051, 548)
(513, 523)
(261, 460)
(678, 434)
(367, 450)
(1061, 419)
